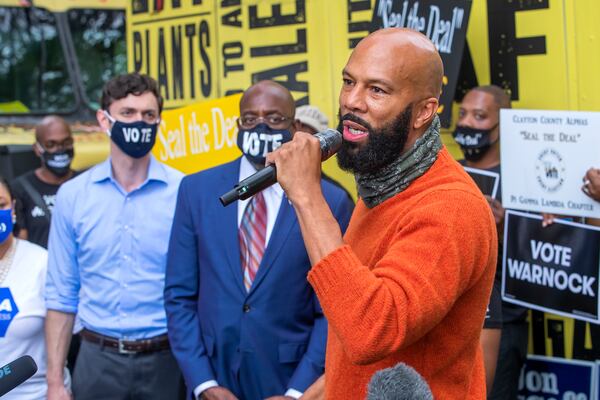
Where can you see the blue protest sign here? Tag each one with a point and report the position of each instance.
(8, 309)
(549, 378)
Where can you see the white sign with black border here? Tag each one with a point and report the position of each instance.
(544, 157)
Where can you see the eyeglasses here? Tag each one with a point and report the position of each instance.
(274, 121)
(52, 146)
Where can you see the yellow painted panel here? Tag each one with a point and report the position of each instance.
(276, 47)
(90, 149)
(13, 107)
(199, 136)
(477, 38)
(585, 28)
(178, 48)
(543, 79)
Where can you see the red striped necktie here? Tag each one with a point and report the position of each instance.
(252, 236)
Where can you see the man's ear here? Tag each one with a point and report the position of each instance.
(36, 148)
(297, 125)
(424, 112)
(103, 120)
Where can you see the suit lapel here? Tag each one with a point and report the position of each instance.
(226, 229)
(286, 219)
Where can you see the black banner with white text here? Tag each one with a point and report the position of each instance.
(553, 269)
(444, 22)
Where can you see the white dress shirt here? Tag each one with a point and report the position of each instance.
(273, 195)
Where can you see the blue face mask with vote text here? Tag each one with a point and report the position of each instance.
(135, 139)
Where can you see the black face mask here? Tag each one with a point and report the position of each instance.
(135, 139)
(257, 142)
(59, 162)
(474, 143)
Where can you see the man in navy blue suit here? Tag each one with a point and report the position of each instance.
(243, 321)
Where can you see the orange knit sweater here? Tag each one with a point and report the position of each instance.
(411, 285)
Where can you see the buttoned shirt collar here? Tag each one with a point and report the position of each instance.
(103, 171)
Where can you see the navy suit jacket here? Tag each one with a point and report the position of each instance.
(258, 343)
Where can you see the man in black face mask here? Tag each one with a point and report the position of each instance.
(36, 190)
(478, 133)
(243, 320)
(477, 129)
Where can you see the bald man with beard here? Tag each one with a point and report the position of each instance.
(411, 278)
(243, 321)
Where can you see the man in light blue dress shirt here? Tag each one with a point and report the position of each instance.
(107, 257)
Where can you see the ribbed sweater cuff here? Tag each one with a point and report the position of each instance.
(334, 270)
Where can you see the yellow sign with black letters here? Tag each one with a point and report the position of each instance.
(199, 135)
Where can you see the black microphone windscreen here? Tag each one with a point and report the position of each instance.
(15, 373)
(398, 383)
(330, 142)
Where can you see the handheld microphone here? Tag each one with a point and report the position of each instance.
(15, 373)
(400, 382)
(330, 142)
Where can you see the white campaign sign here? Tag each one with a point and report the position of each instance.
(544, 157)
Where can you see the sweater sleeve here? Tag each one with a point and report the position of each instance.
(438, 251)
